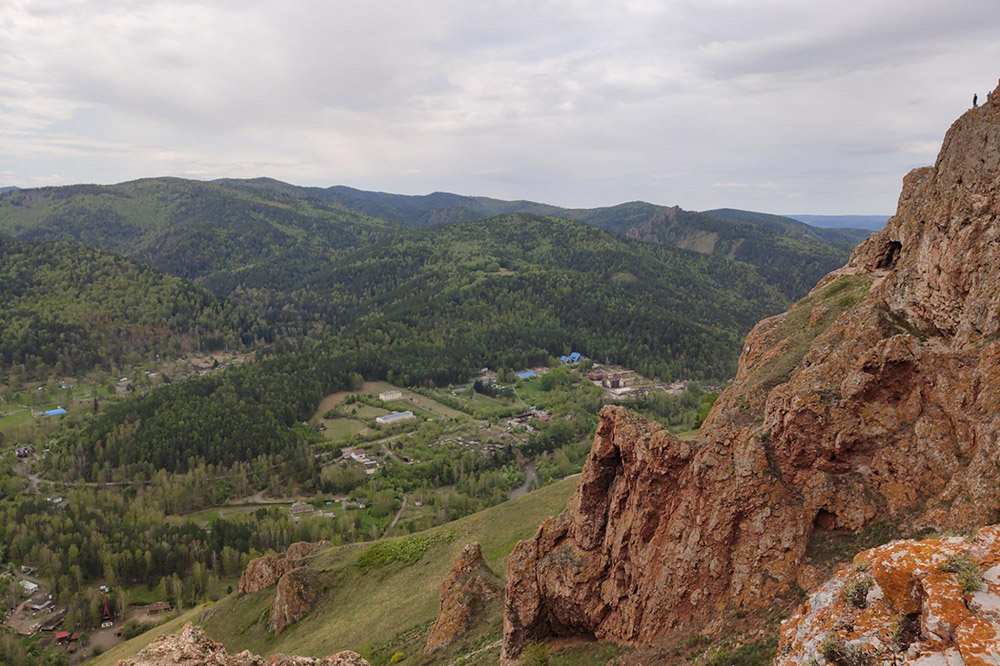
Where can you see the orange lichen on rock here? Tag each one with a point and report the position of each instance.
(916, 610)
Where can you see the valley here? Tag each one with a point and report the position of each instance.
(394, 387)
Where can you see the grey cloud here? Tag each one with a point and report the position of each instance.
(805, 106)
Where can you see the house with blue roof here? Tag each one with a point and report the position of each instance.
(527, 374)
(574, 357)
(54, 412)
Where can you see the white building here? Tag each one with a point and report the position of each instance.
(394, 417)
(389, 396)
(29, 587)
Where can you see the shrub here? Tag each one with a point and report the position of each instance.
(856, 591)
(839, 653)
(535, 654)
(970, 576)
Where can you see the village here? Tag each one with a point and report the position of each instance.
(364, 430)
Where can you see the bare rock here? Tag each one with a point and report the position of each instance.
(902, 603)
(297, 591)
(465, 592)
(192, 647)
(875, 398)
(263, 572)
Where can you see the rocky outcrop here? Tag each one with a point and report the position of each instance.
(263, 572)
(297, 591)
(192, 647)
(875, 398)
(465, 592)
(908, 602)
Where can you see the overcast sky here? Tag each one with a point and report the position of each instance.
(776, 105)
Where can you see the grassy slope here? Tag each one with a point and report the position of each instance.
(385, 609)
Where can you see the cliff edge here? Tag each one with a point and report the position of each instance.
(874, 399)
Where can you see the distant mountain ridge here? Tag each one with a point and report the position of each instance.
(871, 222)
(790, 254)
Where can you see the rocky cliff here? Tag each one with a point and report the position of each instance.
(874, 399)
(465, 592)
(192, 647)
(908, 602)
(263, 572)
(297, 591)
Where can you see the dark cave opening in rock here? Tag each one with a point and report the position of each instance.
(887, 259)
(825, 521)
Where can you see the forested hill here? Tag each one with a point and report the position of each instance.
(232, 235)
(223, 237)
(789, 254)
(512, 290)
(71, 308)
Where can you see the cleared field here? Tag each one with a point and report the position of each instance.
(338, 429)
(410, 400)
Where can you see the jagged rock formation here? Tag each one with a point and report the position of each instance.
(297, 591)
(263, 572)
(877, 397)
(192, 647)
(469, 586)
(908, 602)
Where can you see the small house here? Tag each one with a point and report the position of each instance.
(62, 637)
(389, 396)
(28, 586)
(39, 602)
(527, 374)
(301, 507)
(58, 411)
(158, 607)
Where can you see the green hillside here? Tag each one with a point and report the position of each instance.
(789, 254)
(380, 610)
(514, 289)
(71, 308)
(221, 236)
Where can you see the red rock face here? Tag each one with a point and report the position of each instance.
(263, 572)
(465, 592)
(877, 397)
(297, 591)
(903, 603)
(192, 647)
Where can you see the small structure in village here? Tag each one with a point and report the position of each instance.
(158, 607)
(301, 507)
(527, 374)
(389, 396)
(394, 417)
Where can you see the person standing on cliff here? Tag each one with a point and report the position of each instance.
(975, 100)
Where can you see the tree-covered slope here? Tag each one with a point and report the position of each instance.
(514, 289)
(71, 308)
(789, 254)
(221, 236)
